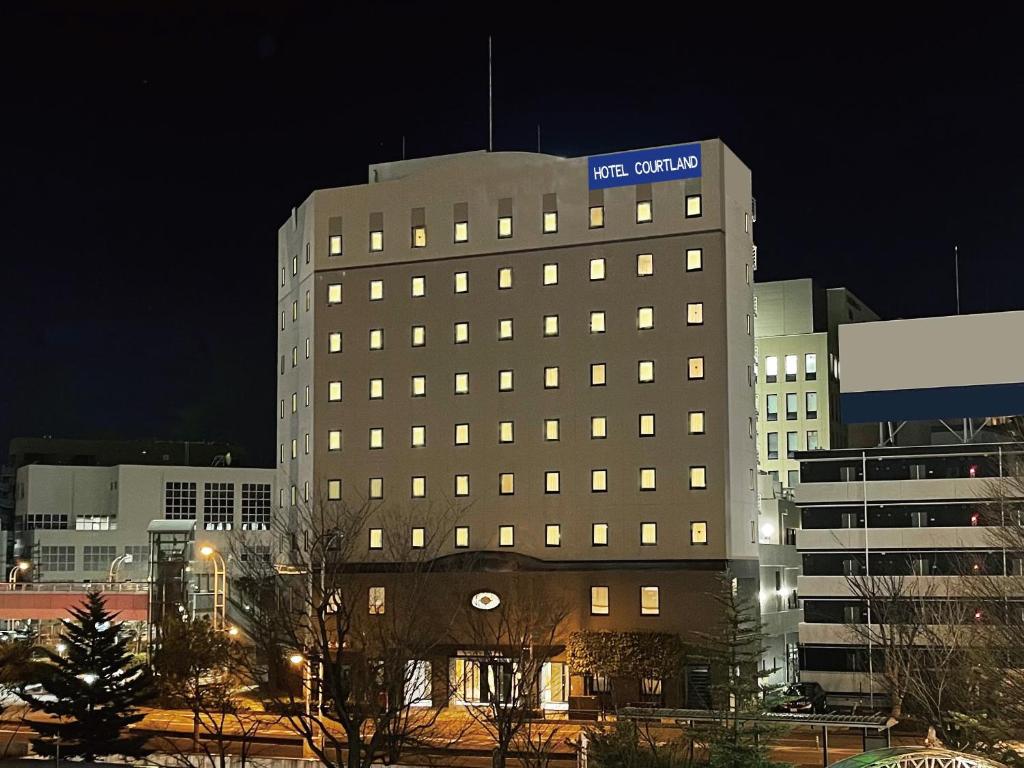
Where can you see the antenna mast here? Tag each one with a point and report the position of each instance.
(490, 99)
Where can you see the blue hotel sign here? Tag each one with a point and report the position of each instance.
(644, 166)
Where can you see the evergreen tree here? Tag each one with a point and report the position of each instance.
(96, 686)
(739, 689)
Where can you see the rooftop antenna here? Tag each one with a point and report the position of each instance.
(956, 264)
(490, 100)
(403, 146)
(538, 138)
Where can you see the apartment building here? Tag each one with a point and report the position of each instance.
(796, 328)
(560, 348)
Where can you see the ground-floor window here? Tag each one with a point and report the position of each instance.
(596, 684)
(650, 690)
(418, 683)
(554, 685)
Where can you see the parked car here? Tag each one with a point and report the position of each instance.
(804, 699)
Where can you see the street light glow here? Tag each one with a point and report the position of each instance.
(296, 659)
(233, 631)
(206, 550)
(23, 565)
(89, 678)
(60, 647)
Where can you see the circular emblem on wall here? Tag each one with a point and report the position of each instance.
(485, 601)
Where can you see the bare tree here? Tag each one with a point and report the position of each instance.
(509, 645)
(362, 621)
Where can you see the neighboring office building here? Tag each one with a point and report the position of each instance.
(798, 370)
(72, 522)
(781, 612)
(927, 506)
(569, 363)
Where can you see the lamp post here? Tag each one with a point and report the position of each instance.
(12, 577)
(116, 564)
(220, 587)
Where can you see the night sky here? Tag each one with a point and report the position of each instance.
(150, 156)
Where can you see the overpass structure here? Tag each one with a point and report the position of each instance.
(52, 600)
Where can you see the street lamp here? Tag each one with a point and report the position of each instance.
(12, 577)
(220, 586)
(116, 564)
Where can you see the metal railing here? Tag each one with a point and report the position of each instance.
(74, 586)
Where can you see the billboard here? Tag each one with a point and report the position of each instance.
(961, 366)
(644, 166)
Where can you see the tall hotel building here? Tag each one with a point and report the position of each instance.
(570, 365)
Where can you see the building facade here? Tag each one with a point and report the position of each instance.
(569, 368)
(798, 370)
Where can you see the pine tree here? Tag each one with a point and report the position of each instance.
(739, 689)
(97, 689)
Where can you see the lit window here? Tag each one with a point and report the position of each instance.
(295, 402)
(698, 477)
(307, 348)
(505, 278)
(696, 422)
(462, 536)
(504, 226)
(376, 338)
(792, 444)
(791, 366)
(305, 441)
(645, 371)
(648, 534)
(376, 601)
(419, 538)
(295, 448)
(461, 383)
(810, 366)
(649, 602)
(694, 259)
(462, 485)
(597, 269)
(773, 445)
(550, 429)
(644, 212)
(334, 342)
(376, 538)
(551, 377)
(812, 440)
(419, 335)
(506, 536)
(333, 490)
(419, 386)
(295, 356)
(462, 333)
(462, 434)
(334, 293)
(699, 533)
(295, 265)
(692, 206)
(598, 374)
(461, 231)
(462, 282)
(334, 245)
(419, 487)
(644, 264)
(295, 311)
(599, 534)
(506, 432)
(307, 395)
(376, 240)
(695, 368)
(771, 369)
(550, 325)
(307, 301)
(596, 216)
(791, 405)
(598, 427)
(550, 274)
(334, 391)
(376, 438)
(504, 381)
(506, 483)
(376, 290)
(334, 440)
(505, 329)
(419, 237)
(419, 286)
(645, 318)
(695, 313)
(552, 482)
(646, 425)
(376, 389)
(598, 480)
(552, 535)
(419, 436)
(597, 322)
(599, 601)
(550, 222)
(647, 479)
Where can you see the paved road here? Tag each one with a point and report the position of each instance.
(455, 739)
